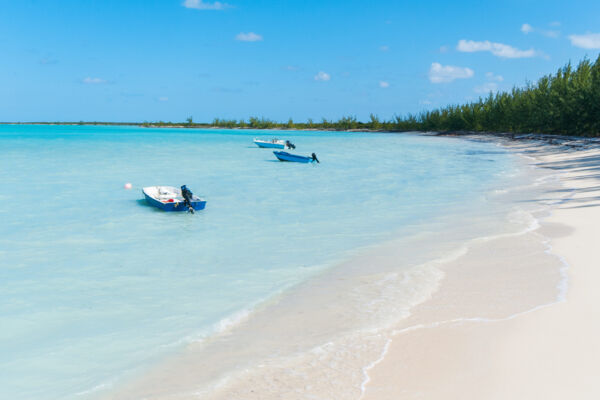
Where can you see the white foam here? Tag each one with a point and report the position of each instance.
(365, 370)
(233, 320)
(97, 388)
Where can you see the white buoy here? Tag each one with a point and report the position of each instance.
(127, 186)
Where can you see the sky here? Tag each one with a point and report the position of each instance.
(151, 60)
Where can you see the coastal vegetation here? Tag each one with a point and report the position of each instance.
(566, 103)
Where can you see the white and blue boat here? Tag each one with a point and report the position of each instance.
(274, 144)
(169, 198)
(285, 156)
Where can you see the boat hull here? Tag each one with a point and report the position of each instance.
(175, 205)
(285, 156)
(267, 145)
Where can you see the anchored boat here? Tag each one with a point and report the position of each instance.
(274, 144)
(285, 156)
(169, 198)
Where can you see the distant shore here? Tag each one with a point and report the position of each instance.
(553, 139)
(201, 126)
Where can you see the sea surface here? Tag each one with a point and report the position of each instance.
(95, 284)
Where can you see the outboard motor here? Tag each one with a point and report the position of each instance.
(289, 144)
(314, 157)
(187, 198)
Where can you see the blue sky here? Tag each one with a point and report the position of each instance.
(133, 60)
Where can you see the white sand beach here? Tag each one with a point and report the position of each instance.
(548, 352)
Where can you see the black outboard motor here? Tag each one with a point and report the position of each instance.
(314, 157)
(187, 198)
(289, 144)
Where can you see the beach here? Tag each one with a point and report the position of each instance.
(463, 269)
(499, 313)
(509, 315)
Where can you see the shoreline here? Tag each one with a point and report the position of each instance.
(179, 377)
(540, 352)
(553, 139)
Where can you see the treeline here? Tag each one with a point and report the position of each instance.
(567, 103)
(342, 124)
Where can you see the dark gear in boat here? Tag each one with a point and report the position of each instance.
(289, 144)
(314, 157)
(187, 197)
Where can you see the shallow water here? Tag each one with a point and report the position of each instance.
(95, 284)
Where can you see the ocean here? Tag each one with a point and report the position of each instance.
(95, 285)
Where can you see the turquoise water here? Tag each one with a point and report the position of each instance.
(94, 284)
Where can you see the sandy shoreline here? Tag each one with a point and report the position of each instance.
(548, 352)
(471, 331)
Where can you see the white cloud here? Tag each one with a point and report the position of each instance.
(439, 73)
(492, 77)
(94, 81)
(163, 99)
(384, 48)
(443, 49)
(200, 5)
(384, 84)
(526, 28)
(248, 37)
(497, 49)
(586, 41)
(322, 76)
(486, 88)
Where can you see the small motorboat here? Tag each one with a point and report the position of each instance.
(274, 144)
(285, 156)
(169, 198)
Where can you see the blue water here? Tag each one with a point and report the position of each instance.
(95, 284)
